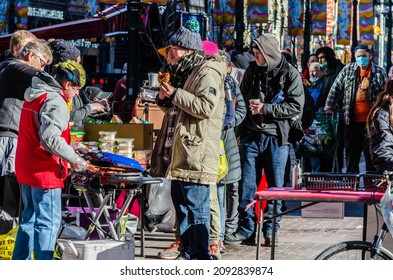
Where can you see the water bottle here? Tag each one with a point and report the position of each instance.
(297, 175)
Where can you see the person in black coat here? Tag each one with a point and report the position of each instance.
(331, 67)
(380, 130)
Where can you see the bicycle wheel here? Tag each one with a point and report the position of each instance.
(353, 250)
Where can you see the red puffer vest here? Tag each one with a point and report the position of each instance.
(34, 165)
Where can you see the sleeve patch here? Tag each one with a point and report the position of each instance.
(212, 91)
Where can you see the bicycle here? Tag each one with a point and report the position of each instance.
(363, 250)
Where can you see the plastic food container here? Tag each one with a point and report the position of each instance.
(77, 136)
(107, 136)
(125, 142)
(106, 147)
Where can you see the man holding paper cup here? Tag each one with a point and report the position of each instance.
(274, 91)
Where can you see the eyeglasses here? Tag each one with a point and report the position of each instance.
(42, 62)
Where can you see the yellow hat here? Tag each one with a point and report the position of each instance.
(163, 51)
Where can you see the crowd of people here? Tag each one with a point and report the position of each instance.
(274, 93)
(253, 101)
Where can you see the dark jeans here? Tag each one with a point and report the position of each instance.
(192, 205)
(260, 152)
(356, 142)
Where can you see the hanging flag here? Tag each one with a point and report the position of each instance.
(366, 22)
(295, 17)
(91, 8)
(299, 45)
(21, 8)
(224, 11)
(344, 23)
(318, 17)
(226, 32)
(257, 11)
(4, 17)
(329, 16)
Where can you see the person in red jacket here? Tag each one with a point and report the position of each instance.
(42, 157)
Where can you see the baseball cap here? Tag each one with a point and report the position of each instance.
(362, 47)
(94, 93)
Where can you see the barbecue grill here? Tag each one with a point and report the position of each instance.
(104, 183)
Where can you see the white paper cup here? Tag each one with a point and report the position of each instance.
(153, 79)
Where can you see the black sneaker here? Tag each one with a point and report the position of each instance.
(150, 227)
(221, 246)
(158, 218)
(234, 239)
(152, 219)
(268, 241)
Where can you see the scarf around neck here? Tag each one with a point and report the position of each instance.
(181, 70)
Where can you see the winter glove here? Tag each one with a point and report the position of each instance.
(99, 106)
(80, 165)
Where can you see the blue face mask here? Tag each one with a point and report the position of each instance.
(264, 65)
(313, 80)
(324, 66)
(362, 61)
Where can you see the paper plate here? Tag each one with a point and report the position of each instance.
(125, 161)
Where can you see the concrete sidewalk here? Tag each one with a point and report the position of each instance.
(299, 239)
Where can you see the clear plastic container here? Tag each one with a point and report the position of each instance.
(106, 147)
(125, 153)
(125, 142)
(107, 135)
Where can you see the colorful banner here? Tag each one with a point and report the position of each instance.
(224, 11)
(4, 17)
(253, 32)
(295, 17)
(366, 22)
(226, 32)
(91, 8)
(344, 23)
(21, 8)
(257, 11)
(318, 17)
(329, 16)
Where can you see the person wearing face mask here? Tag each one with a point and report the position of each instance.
(312, 99)
(331, 67)
(273, 91)
(306, 72)
(353, 94)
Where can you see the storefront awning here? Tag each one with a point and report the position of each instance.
(113, 19)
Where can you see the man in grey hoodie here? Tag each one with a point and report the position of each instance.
(274, 91)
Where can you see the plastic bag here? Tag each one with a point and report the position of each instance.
(160, 200)
(387, 208)
(223, 163)
(7, 243)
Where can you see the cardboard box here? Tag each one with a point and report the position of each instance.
(97, 249)
(142, 133)
(332, 210)
(150, 112)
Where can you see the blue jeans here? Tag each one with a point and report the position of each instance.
(222, 203)
(260, 152)
(41, 220)
(192, 205)
(232, 212)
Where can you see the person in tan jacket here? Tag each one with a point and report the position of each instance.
(186, 151)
